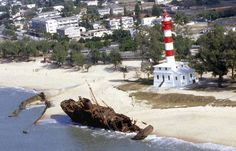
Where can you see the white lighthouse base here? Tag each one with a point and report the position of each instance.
(169, 75)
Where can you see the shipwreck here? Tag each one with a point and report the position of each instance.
(91, 114)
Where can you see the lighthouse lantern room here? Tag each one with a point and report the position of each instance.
(171, 73)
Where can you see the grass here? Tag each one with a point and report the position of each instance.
(175, 100)
(171, 100)
(135, 85)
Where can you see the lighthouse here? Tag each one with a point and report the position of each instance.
(171, 73)
(168, 40)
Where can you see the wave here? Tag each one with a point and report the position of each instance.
(21, 89)
(152, 141)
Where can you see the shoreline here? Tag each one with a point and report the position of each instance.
(152, 137)
(204, 124)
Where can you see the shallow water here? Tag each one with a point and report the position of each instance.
(60, 134)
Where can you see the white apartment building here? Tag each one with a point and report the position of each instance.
(148, 21)
(67, 21)
(96, 33)
(44, 24)
(114, 24)
(30, 6)
(117, 10)
(127, 22)
(91, 3)
(50, 25)
(52, 14)
(70, 32)
(104, 11)
(58, 8)
(162, 1)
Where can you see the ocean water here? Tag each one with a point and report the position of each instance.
(60, 134)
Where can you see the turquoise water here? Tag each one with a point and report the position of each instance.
(60, 134)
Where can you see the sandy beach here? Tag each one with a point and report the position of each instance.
(196, 124)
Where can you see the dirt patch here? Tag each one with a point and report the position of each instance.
(175, 100)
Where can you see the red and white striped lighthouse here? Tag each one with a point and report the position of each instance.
(169, 47)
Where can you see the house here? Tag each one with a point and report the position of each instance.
(58, 8)
(114, 24)
(97, 25)
(117, 10)
(104, 11)
(127, 22)
(70, 32)
(148, 21)
(96, 33)
(90, 2)
(30, 6)
(52, 14)
(162, 1)
(172, 73)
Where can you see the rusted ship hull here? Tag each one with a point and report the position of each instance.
(94, 115)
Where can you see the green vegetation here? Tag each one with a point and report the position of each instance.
(189, 3)
(215, 14)
(170, 100)
(115, 57)
(180, 18)
(70, 9)
(182, 46)
(217, 53)
(175, 100)
(23, 49)
(156, 10)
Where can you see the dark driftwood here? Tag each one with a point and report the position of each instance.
(41, 96)
(86, 113)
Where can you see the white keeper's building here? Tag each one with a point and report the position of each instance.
(172, 74)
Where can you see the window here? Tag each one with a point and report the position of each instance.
(168, 77)
(183, 77)
(157, 77)
(159, 68)
(176, 78)
(165, 68)
(191, 75)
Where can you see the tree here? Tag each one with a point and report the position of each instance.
(59, 54)
(212, 53)
(94, 55)
(120, 35)
(155, 44)
(230, 44)
(180, 18)
(137, 11)
(30, 49)
(115, 57)
(142, 39)
(182, 46)
(104, 57)
(128, 45)
(74, 45)
(9, 49)
(77, 58)
(70, 9)
(10, 33)
(156, 10)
